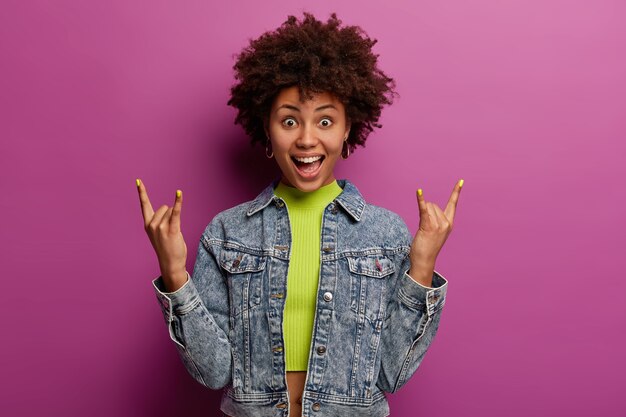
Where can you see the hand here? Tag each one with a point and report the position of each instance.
(434, 228)
(163, 229)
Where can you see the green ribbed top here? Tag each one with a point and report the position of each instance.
(305, 216)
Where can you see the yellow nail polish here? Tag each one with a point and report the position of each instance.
(178, 193)
(138, 182)
(419, 192)
(461, 183)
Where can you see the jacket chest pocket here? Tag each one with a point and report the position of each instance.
(245, 279)
(368, 285)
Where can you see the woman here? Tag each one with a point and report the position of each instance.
(306, 300)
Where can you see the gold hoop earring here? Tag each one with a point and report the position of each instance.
(345, 142)
(267, 149)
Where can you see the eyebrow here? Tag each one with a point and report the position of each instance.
(289, 106)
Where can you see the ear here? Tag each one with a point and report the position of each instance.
(348, 127)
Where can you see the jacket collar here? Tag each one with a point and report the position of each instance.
(350, 199)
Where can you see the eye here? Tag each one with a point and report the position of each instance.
(289, 119)
(329, 121)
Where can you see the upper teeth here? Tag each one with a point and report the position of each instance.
(308, 160)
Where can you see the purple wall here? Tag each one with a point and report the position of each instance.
(525, 100)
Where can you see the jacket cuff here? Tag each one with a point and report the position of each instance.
(176, 301)
(416, 295)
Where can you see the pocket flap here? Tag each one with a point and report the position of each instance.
(236, 262)
(376, 266)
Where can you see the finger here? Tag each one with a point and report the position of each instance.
(421, 202)
(146, 208)
(432, 214)
(441, 217)
(452, 202)
(178, 205)
(165, 222)
(155, 223)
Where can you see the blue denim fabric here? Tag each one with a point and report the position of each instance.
(373, 323)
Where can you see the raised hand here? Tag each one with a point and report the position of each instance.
(163, 229)
(434, 228)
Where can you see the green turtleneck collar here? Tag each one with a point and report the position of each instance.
(302, 199)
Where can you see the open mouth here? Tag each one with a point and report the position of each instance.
(308, 167)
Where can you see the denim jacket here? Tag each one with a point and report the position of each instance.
(373, 322)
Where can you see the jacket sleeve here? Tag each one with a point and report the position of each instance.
(197, 316)
(411, 322)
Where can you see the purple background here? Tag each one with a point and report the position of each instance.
(525, 100)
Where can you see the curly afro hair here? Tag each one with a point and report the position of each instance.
(317, 57)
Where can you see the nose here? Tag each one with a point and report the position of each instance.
(308, 138)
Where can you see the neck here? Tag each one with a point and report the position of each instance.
(316, 198)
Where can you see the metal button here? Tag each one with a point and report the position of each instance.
(327, 249)
(237, 261)
(379, 266)
(321, 350)
(328, 296)
(281, 405)
(279, 203)
(333, 208)
(316, 406)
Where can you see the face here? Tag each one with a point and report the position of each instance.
(307, 137)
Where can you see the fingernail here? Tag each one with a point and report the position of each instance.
(419, 192)
(138, 182)
(461, 183)
(178, 193)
